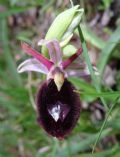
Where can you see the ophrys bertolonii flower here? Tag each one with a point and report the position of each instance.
(58, 106)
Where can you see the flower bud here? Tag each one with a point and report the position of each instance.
(63, 26)
(69, 50)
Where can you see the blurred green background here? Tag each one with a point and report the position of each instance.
(20, 135)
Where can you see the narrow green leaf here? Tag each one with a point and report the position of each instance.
(104, 123)
(107, 51)
(9, 105)
(105, 153)
(102, 94)
(81, 84)
(19, 94)
(4, 77)
(91, 37)
(83, 145)
(8, 57)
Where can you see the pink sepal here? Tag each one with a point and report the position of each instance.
(29, 50)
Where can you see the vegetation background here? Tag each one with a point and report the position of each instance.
(98, 128)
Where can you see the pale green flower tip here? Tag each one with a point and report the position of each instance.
(81, 10)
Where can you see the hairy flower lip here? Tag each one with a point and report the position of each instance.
(47, 94)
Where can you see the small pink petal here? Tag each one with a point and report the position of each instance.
(53, 49)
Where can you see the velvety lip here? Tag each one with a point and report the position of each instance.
(47, 97)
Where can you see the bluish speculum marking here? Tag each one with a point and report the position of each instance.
(59, 111)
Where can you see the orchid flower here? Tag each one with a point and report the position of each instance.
(58, 106)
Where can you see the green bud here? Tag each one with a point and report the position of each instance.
(63, 26)
(69, 50)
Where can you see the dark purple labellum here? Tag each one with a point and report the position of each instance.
(58, 111)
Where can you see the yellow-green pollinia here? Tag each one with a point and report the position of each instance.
(63, 26)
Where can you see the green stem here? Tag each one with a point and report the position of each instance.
(31, 98)
(86, 56)
(104, 123)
